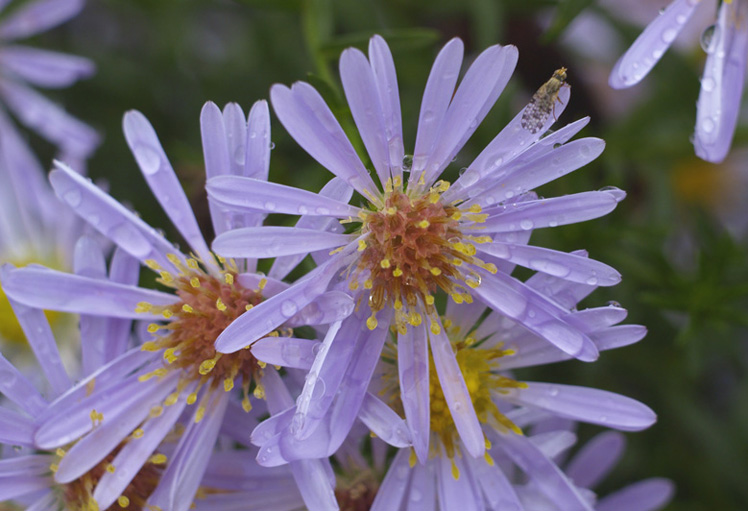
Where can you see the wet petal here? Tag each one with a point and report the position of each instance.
(269, 241)
(596, 459)
(286, 351)
(413, 368)
(45, 68)
(648, 495)
(36, 17)
(384, 422)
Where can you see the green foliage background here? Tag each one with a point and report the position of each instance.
(685, 276)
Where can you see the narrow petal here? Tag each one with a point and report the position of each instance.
(559, 264)
(422, 491)
(722, 84)
(158, 172)
(273, 312)
(384, 422)
(45, 68)
(327, 308)
(18, 486)
(286, 351)
(568, 209)
(215, 141)
(48, 119)
(109, 217)
(413, 369)
(649, 47)
(395, 484)
(257, 156)
(364, 101)
(596, 459)
(53, 290)
(269, 241)
(544, 472)
(47, 502)
(436, 97)
(619, 336)
(478, 91)
(308, 119)
(235, 125)
(585, 404)
(15, 429)
(386, 82)
(455, 492)
(247, 194)
(16, 387)
(88, 261)
(38, 16)
(536, 313)
(314, 484)
(124, 269)
(497, 490)
(648, 495)
(456, 394)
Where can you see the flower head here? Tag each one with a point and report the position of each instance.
(726, 44)
(418, 236)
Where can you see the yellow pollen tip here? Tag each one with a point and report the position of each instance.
(166, 313)
(371, 323)
(475, 208)
(200, 414)
(228, 384)
(434, 197)
(228, 278)
(192, 263)
(149, 346)
(353, 285)
(158, 459)
(489, 459)
(397, 272)
(337, 250)
(167, 277)
(424, 224)
(54, 467)
(384, 263)
(156, 411)
(60, 452)
(259, 392)
(435, 329)
(455, 471)
(415, 319)
(246, 405)
(457, 298)
(123, 501)
(456, 215)
(429, 300)
(110, 468)
(171, 399)
(220, 305)
(391, 211)
(361, 245)
(138, 433)
(368, 284)
(143, 307)
(195, 282)
(398, 304)
(248, 307)
(153, 328)
(412, 458)
(152, 264)
(187, 308)
(192, 398)
(435, 271)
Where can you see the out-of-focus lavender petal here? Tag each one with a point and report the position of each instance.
(413, 368)
(456, 492)
(38, 16)
(559, 264)
(274, 311)
(45, 68)
(17, 486)
(385, 78)
(181, 479)
(54, 290)
(286, 351)
(422, 491)
(619, 336)
(552, 212)
(109, 217)
(47, 502)
(269, 241)
(124, 269)
(363, 98)
(308, 119)
(596, 459)
(436, 97)
(327, 308)
(480, 87)
(155, 166)
(456, 394)
(585, 404)
(649, 47)
(88, 261)
(384, 422)
(498, 491)
(395, 484)
(15, 429)
(554, 443)
(134, 455)
(15, 386)
(48, 119)
(648, 495)
(34, 464)
(314, 484)
(247, 194)
(722, 84)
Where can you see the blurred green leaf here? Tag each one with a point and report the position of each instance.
(566, 12)
(397, 40)
(283, 5)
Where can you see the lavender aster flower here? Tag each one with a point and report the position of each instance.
(724, 73)
(181, 367)
(417, 235)
(21, 66)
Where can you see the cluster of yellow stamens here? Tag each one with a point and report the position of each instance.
(78, 494)
(208, 304)
(479, 366)
(413, 245)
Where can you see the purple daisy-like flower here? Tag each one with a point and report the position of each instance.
(181, 366)
(726, 44)
(21, 66)
(418, 235)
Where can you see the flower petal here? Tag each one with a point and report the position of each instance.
(247, 194)
(270, 241)
(395, 484)
(648, 495)
(651, 44)
(38, 16)
(45, 68)
(15, 429)
(308, 119)
(325, 309)
(384, 422)
(314, 484)
(413, 368)
(286, 351)
(596, 459)
(585, 404)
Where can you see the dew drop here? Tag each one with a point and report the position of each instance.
(148, 160)
(668, 36)
(289, 308)
(270, 206)
(552, 223)
(615, 304)
(526, 224)
(7, 378)
(592, 281)
(681, 19)
(710, 38)
(253, 134)
(557, 145)
(73, 197)
(553, 392)
(322, 211)
(272, 145)
(707, 125)
(303, 210)
(707, 84)
(407, 161)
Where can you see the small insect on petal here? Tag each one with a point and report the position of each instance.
(543, 101)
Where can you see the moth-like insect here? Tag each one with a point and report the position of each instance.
(543, 101)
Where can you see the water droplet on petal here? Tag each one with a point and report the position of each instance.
(707, 84)
(73, 197)
(669, 35)
(592, 281)
(148, 160)
(289, 308)
(710, 38)
(526, 224)
(707, 125)
(407, 161)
